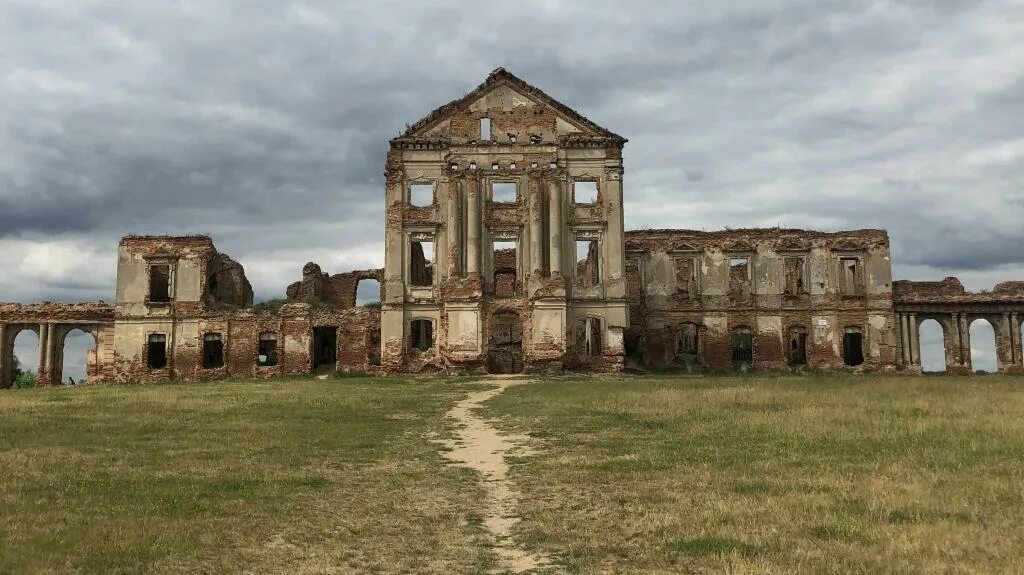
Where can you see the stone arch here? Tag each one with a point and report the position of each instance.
(83, 357)
(983, 342)
(8, 348)
(935, 347)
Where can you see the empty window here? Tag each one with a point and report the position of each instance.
(485, 129)
(421, 271)
(853, 346)
(156, 351)
(368, 293)
(588, 274)
(504, 258)
(588, 336)
(742, 348)
(421, 195)
(421, 334)
(687, 343)
(849, 276)
(267, 354)
(793, 267)
(213, 351)
(503, 192)
(796, 349)
(584, 192)
(160, 283)
(739, 276)
(685, 284)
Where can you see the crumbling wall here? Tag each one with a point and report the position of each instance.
(767, 281)
(226, 284)
(337, 290)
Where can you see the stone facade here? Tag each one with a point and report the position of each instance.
(505, 252)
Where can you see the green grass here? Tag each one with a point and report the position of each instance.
(829, 474)
(660, 474)
(287, 476)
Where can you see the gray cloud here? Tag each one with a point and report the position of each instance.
(266, 124)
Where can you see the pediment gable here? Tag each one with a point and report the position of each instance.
(514, 105)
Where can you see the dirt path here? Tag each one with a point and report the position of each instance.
(483, 448)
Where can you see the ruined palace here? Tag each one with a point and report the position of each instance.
(506, 253)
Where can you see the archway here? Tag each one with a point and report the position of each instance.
(505, 343)
(983, 347)
(77, 357)
(932, 338)
(25, 358)
(368, 293)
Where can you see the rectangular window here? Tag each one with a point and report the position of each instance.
(156, 351)
(503, 192)
(849, 276)
(739, 276)
(485, 129)
(421, 334)
(853, 346)
(421, 271)
(160, 283)
(742, 348)
(686, 284)
(588, 273)
(421, 195)
(588, 336)
(793, 267)
(505, 265)
(584, 192)
(213, 351)
(268, 350)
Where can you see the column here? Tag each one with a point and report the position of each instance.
(555, 227)
(1018, 349)
(915, 344)
(956, 347)
(536, 229)
(3, 357)
(453, 234)
(964, 328)
(473, 226)
(42, 364)
(1004, 352)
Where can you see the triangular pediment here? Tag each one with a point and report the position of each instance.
(511, 101)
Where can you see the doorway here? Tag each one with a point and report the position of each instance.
(325, 347)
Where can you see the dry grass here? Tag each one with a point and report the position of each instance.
(649, 475)
(290, 476)
(773, 475)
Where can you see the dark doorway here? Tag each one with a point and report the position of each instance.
(505, 345)
(156, 351)
(742, 349)
(325, 346)
(797, 348)
(853, 346)
(213, 351)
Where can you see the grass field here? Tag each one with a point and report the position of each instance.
(635, 475)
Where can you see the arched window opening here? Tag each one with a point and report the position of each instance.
(78, 357)
(213, 351)
(421, 334)
(983, 347)
(796, 347)
(368, 293)
(742, 348)
(267, 354)
(25, 359)
(931, 336)
(853, 346)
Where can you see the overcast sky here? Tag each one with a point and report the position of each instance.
(265, 123)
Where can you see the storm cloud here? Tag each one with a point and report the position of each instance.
(265, 124)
